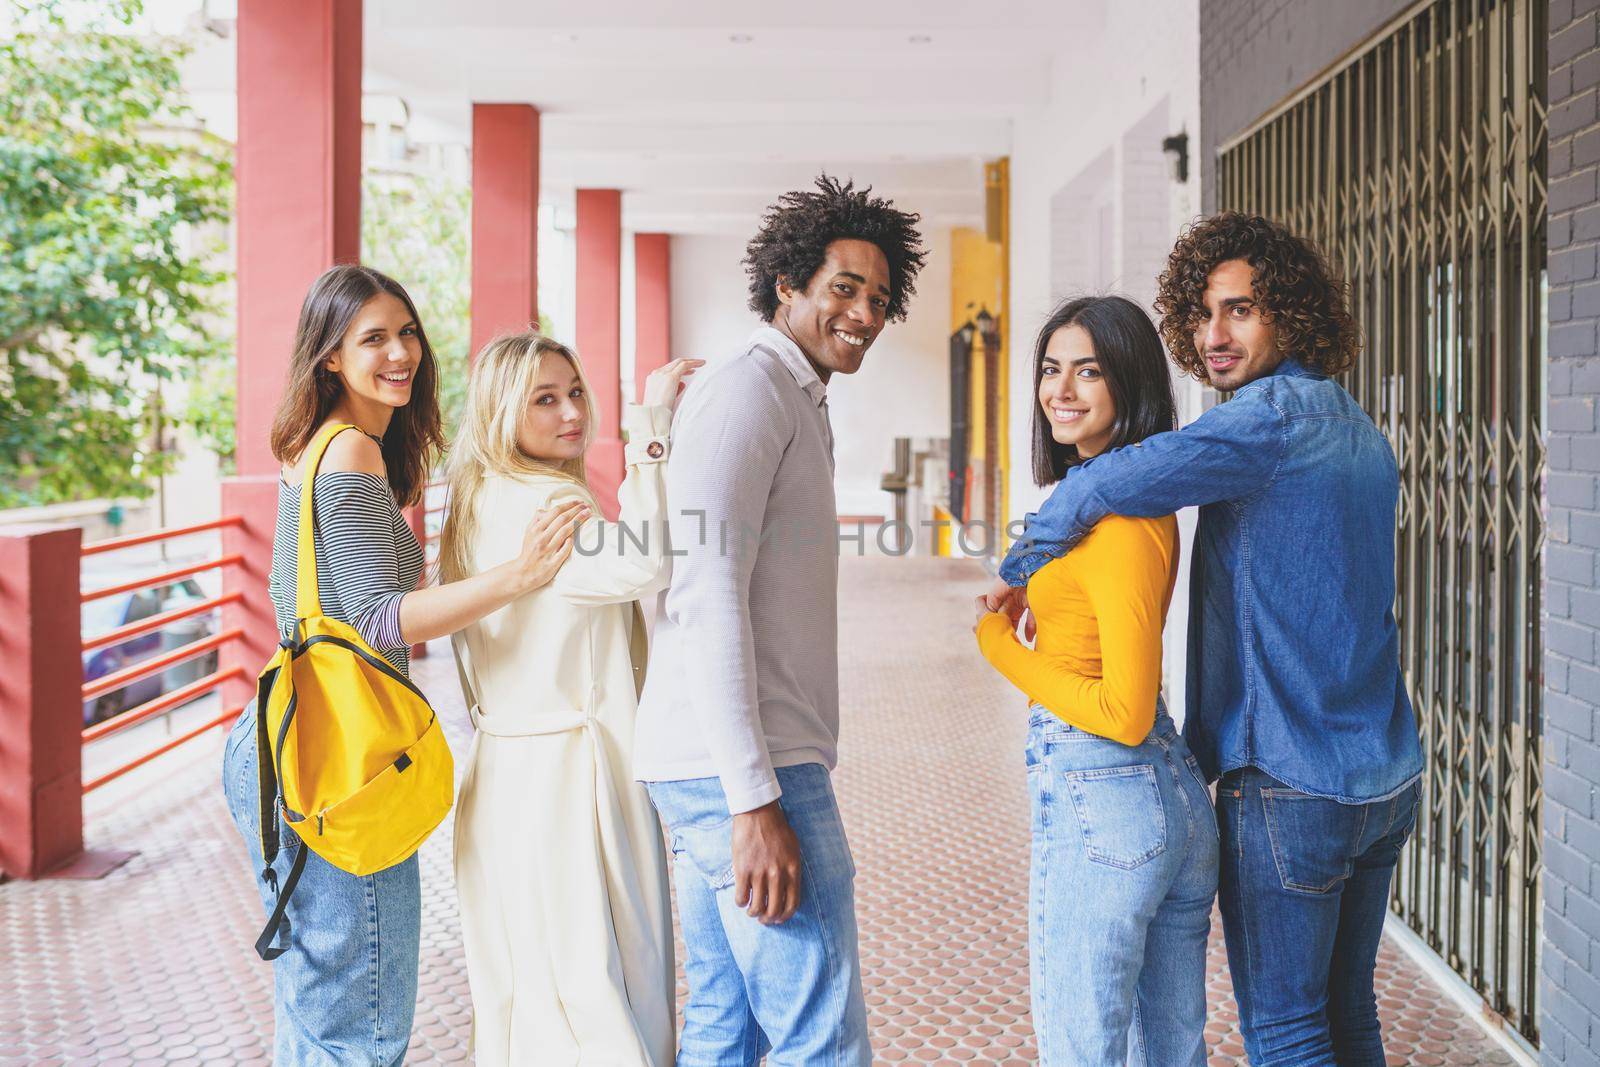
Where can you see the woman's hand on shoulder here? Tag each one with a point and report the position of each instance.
(663, 387)
(547, 542)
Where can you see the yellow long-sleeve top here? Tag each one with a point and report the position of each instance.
(1100, 609)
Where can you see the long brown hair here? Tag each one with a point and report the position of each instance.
(414, 435)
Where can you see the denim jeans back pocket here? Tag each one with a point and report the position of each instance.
(1120, 812)
(1314, 840)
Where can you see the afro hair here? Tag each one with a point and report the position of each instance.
(796, 232)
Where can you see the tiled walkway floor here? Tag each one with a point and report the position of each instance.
(153, 963)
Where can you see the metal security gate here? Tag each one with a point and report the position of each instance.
(1419, 166)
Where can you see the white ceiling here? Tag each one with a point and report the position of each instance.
(702, 111)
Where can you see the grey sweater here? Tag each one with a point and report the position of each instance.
(744, 675)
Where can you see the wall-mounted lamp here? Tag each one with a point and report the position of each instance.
(1177, 149)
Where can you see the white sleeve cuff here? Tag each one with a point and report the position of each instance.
(648, 431)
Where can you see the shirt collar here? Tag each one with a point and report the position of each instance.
(794, 360)
(1291, 367)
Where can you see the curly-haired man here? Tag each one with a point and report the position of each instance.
(739, 722)
(1295, 698)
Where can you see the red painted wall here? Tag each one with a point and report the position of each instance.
(41, 758)
(652, 304)
(505, 219)
(298, 171)
(599, 332)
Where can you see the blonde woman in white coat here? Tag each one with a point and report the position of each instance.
(560, 868)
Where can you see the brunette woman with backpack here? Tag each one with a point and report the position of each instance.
(345, 983)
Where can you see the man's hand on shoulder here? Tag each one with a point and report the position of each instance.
(766, 864)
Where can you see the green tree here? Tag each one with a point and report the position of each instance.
(414, 228)
(106, 188)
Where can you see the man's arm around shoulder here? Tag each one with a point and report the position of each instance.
(1228, 453)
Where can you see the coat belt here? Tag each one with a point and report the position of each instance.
(530, 724)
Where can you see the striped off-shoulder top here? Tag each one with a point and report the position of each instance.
(367, 558)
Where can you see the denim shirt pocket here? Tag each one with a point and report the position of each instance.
(1120, 813)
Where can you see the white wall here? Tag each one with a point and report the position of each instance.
(1094, 210)
(903, 389)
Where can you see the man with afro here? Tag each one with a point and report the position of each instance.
(739, 722)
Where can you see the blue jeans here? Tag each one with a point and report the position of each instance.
(1123, 876)
(1304, 892)
(790, 992)
(345, 991)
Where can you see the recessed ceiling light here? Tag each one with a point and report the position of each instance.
(740, 38)
(920, 38)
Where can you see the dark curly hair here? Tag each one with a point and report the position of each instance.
(1300, 294)
(796, 232)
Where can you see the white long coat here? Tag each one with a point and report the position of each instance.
(560, 867)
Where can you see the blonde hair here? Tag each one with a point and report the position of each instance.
(499, 388)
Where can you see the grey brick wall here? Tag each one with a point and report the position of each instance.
(1253, 53)
(1570, 986)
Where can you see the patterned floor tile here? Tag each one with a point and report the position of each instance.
(153, 963)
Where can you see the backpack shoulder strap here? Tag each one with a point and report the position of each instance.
(307, 602)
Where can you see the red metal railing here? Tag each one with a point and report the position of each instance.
(162, 578)
(136, 672)
(145, 668)
(112, 544)
(157, 622)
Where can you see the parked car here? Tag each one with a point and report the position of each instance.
(110, 612)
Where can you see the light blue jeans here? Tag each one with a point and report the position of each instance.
(790, 992)
(345, 991)
(1123, 877)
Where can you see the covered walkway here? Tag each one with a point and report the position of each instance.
(153, 962)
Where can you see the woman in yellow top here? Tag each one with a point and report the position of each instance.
(1124, 865)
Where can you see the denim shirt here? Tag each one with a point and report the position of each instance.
(1294, 659)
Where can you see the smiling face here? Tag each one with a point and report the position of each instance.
(841, 310)
(1073, 392)
(378, 357)
(553, 424)
(1238, 344)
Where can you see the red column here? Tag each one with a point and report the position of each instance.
(299, 211)
(652, 304)
(598, 296)
(41, 719)
(299, 185)
(505, 219)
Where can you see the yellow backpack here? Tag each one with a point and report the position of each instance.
(350, 751)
